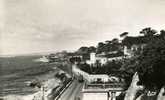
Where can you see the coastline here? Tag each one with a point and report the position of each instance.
(49, 83)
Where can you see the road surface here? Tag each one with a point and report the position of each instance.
(72, 91)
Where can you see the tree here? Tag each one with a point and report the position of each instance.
(115, 41)
(108, 42)
(91, 49)
(149, 64)
(162, 34)
(124, 34)
(148, 31)
(83, 50)
(112, 67)
(134, 94)
(100, 47)
(75, 59)
(107, 46)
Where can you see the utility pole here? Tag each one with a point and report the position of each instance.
(43, 92)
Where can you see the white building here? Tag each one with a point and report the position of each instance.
(95, 95)
(101, 58)
(129, 51)
(90, 77)
(94, 77)
(101, 91)
(94, 58)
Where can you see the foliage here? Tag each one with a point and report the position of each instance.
(100, 47)
(109, 46)
(85, 67)
(124, 34)
(129, 40)
(75, 59)
(148, 31)
(149, 64)
(112, 67)
(162, 34)
(86, 50)
(83, 50)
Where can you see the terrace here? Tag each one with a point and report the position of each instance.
(99, 87)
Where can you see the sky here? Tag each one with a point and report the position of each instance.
(35, 26)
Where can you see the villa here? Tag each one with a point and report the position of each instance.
(103, 58)
(133, 44)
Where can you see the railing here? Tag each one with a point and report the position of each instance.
(86, 75)
(103, 87)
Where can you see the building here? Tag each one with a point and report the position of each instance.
(75, 58)
(133, 44)
(129, 51)
(74, 55)
(99, 91)
(104, 58)
(99, 86)
(90, 77)
(94, 78)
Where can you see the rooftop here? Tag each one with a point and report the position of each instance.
(111, 55)
(103, 87)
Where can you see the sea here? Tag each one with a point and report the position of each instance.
(17, 71)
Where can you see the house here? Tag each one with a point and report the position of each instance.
(75, 58)
(97, 91)
(104, 58)
(129, 51)
(96, 59)
(133, 44)
(74, 55)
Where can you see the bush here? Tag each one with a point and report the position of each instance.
(149, 65)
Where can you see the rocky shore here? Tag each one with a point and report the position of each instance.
(48, 87)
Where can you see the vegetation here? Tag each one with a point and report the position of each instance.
(75, 59)
(150, 63)
(112, 67)
(106, 47)
(124, 34)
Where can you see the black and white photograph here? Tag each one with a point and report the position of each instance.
(82, 49)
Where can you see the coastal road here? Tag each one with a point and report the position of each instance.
(72, 91)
